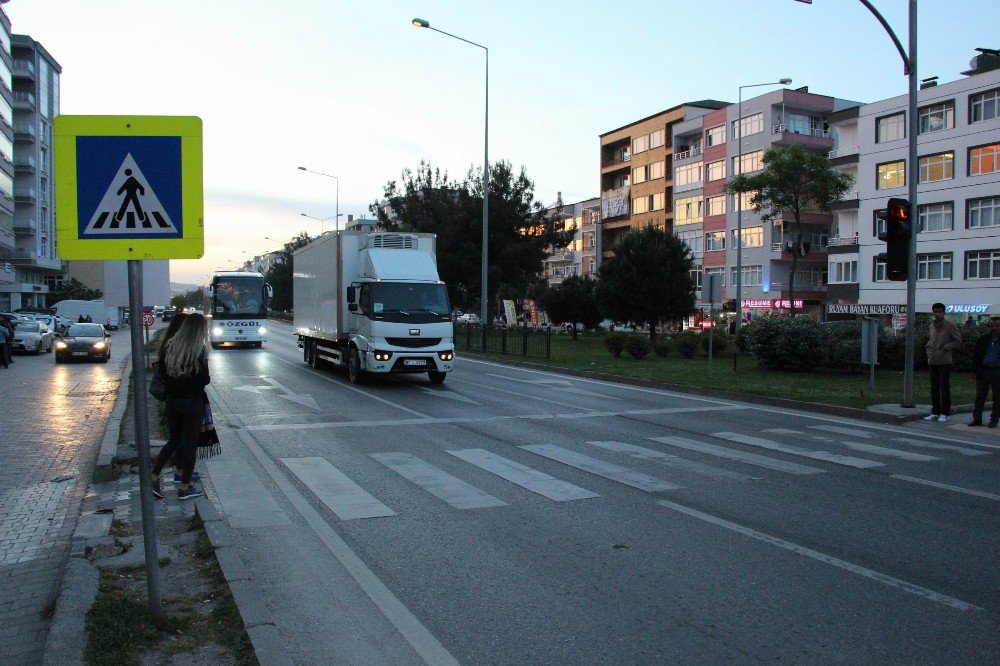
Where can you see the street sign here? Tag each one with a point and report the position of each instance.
(129, 187)
(148, 320)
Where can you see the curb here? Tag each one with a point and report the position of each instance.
(819, 408)
(104, 469)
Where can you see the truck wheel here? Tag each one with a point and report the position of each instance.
(437, 377)
(257, 345)
(215, 345)
(354, 371)
(306, 352)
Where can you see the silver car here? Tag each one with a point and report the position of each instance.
(32, 337)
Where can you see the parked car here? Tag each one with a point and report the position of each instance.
(32, 337)
(84, 341)
(467, 318)
(14, 317)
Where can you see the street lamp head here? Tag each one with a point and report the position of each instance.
(303, 169)
(783, 82)
(421, 23)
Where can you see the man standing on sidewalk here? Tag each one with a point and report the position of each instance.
(986, 362)
(944, 339)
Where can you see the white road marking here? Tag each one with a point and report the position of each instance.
(941, 447)
(600, 468)
(853, 432)
(493, 389)
(838, 459)
(561, 385)
(246, 501)
(739, 456)
(302, 399)
(936, 597)
(945, 486)
(527, 478)
(448, 395)
(344, 497)
(672, 461)
(439, 483)
(249, 388)
(783, 431)
(891, 453)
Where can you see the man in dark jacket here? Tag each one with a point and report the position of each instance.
(986, 362)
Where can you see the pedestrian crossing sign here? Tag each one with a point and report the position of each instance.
(129, 187)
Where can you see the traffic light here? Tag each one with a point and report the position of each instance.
(898, 228)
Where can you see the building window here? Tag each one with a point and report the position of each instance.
(748, 162)
(693, 240)
(936, 216)
(743, 202)
(845, 272)
(715, 205)
(715, 136)
(688, 174)
(718, 270)
(752, 237)
(751, 125)
(639, 175)
(811, 277)
(891, 174)
(656, 201)
(640, 144)
(752, 275)
(715, 170)
(982, 265)
(984, 106)
(890, 128)
(984, 159)
(696, 278)
(655, 170)
(878, 270)
(935, 266)
(656, 139)
(937, 117)
(983, 212)
(937, 167)
(688, 210)
(715, 240)
(640, 205)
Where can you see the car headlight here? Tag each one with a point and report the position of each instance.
(262, 330)
(217, 330)
(382, 355)
(100, 345)
(61, 345)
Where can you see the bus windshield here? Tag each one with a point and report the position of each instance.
(239, 297)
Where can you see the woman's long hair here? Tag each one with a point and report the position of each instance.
(183, 352)
(175, 325)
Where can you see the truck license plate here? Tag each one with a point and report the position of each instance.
(240, 338)
(413, 361)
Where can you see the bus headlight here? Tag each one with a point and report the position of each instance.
(217, 331)
(262, 330)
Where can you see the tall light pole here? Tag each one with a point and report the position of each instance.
(483, 309)
(739, 205)
(337, 209)
(321, 220)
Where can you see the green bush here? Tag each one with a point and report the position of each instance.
(614, 343)
(686, 344)
(720, 342)
(662, 346)
(780, 343)
(637, 346)
(842, 344)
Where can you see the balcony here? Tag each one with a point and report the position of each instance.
(690, 152)
(616, 161)
(841, 241)
(29, 258)
(799, 286)
(25, 164)
(849, 202)
(25, 225)
(24, 68)
(843, 152)
(814, 137)
(6, 238)
(781, 128)
(24, 133)
(24, 101)
(7, 274)
(25, 195)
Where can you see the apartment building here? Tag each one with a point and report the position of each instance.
(35, 75)
(8, 244)
(581, 256)
(712, 147)
(958, 197)
(637, 172)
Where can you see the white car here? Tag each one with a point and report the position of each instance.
(32, 337)
(467, 318)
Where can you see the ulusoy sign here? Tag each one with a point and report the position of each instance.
(867, 309)
(770, 303)
(967, 309)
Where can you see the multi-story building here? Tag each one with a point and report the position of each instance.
(581, 256)
(714, 146)
(637, 172)
(958, 197)
(262, 263)
(35, 104)
(8, 245)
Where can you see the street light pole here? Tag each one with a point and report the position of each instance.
(739, 206)
(321, 220)
(336, 217)
(484, 302)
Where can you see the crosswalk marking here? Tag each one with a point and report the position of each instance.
(838, 459)
(246, 502)
(740, 456)
(941, 447)
(853, 432)
(945, 486)
(442, 485)
(892, 453)
(600, 468)
(527, 478)
(344, 497)
(671, 461)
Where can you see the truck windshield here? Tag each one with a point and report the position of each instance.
(239, 297)
(407, 302)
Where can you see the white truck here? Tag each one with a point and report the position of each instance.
(239, 309)
(372, 302)
(98, 312)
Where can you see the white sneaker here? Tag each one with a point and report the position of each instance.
(942, 418)
(931, 417)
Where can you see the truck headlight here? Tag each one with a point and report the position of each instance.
(382, 355)
(217, 330)
(446, 355)
(262, 330)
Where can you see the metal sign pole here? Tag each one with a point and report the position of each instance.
(142, 437)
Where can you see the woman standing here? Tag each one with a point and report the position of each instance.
(185, 358)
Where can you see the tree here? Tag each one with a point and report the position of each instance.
(279, 276)
(179, 301)
(648, 279)
(794, 181)
(428, 201)
(573, 301)
(73, 289)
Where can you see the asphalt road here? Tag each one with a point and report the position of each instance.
(511, 517)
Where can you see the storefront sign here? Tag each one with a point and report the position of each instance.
(770, 303)
(864, 309)
(967, 309)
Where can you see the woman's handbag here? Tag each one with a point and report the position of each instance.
(158, 384)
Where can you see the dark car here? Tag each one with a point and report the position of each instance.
(169, 314)
(85, 342)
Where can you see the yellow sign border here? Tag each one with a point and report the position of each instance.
(189, 128)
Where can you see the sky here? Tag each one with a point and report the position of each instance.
(352, 89)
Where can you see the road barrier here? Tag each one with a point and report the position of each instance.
(514, 341)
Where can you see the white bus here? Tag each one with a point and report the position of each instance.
(238, 309)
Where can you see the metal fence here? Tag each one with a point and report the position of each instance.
(514, 341)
